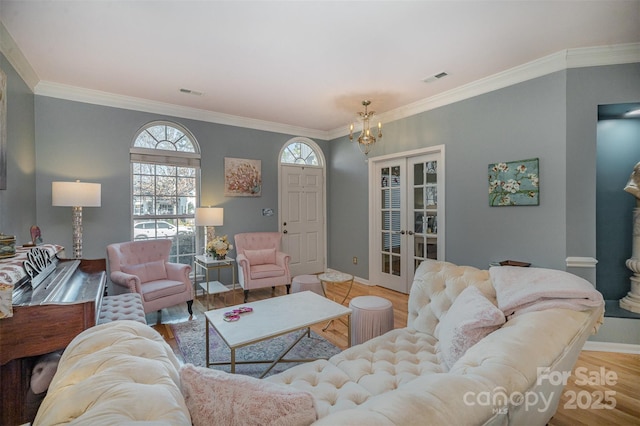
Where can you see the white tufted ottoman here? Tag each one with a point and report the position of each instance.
(371, 316)
(306, 282)
(127, 306)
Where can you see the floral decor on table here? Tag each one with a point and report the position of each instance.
(219, 247)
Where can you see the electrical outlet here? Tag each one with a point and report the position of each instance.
(355, 260)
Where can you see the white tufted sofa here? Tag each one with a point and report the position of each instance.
(399, 378)
(124, 373)
(117, 373)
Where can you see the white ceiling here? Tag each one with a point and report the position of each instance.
(301, 63)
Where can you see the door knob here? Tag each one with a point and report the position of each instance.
(402, 232)
(410, 232)
(284, 232)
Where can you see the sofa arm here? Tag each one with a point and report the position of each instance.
(243, 269)
(178, 271)
(282, 259)
(243, 262)
(121, 372)
(132, 282)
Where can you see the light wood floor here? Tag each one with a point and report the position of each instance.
(625, 391)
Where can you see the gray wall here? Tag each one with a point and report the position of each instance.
(553, 118)
(348, 208)
(523, 121)
(18, 201)
(91, 143)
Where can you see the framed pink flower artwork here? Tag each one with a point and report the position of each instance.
(242, 177)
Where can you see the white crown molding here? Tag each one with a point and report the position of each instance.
(565, 59)
(72, 93)
(559, 61)
(14, 55)
(603, 55)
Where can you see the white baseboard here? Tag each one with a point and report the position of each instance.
(355, 278)
(624, 348)
(363, 281)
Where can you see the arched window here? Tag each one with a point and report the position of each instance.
(165, 177)
(298, 151)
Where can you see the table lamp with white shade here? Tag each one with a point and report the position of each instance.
(76, 195)
(209, 217)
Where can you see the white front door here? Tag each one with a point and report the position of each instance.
(407, 216)
(302, 217)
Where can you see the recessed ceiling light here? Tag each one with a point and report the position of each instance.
(191, 92)
(435, 77)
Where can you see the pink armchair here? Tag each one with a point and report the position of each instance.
(143, 267)
(260, 261)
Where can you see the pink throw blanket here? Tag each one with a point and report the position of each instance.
(520, 290)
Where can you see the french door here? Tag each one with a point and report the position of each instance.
(407, 223)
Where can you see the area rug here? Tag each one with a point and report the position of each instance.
(190, 338)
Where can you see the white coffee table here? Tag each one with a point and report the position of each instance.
(271, 318)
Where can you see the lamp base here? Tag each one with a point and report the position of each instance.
(211, 232)
(77, 232)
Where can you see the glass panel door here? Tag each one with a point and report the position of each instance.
(408, 201)
(424, 210)
(391, 188)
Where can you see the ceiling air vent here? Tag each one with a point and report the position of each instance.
(191, 92)
(435, 77)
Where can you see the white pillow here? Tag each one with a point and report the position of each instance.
(471, 317)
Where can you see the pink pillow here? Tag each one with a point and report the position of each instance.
(471, 318)
(261, 257)
(216, 397)
(151, 271)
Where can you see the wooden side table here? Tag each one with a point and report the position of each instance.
(209, 263)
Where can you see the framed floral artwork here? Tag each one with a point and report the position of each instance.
(514, 183)
(242, 177)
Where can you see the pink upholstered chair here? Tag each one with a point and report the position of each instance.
(260, 261)
(143, 267)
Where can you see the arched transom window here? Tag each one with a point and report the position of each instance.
(165, 136)
(165, 174)
(298, 152)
